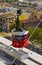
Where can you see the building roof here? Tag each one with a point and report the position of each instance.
(31, 20)
(7, 14)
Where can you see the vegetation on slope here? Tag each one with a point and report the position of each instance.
(37, 35)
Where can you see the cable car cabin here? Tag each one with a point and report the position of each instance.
(19, 36)
(19, 39)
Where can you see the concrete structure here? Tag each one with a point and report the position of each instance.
(5, 46)
(3, 59)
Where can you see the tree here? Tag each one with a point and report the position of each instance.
(12, 26)
(40, 36)
(16, 0)
(30, 4)
(36, 36)
(30, 30)
(34, 5)
(4, 0)
(9, 1)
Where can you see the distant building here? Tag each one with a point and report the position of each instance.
(31, 23)
(6, 16)
(30, 0)
(39, 7)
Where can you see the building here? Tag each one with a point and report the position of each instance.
(39, 7)
(6, 16)
(31, 23)
(33, 19)
(1, 1)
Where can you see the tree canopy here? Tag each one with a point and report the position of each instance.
(9, 1)
(37, 34)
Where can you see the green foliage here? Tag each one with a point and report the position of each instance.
(4, 0)
(16, 0)
(34, 5)
(9, 1)
(29, 4)
(20, 23)
(37, 34)
(40, 35)
(12, 26)
(30, 30)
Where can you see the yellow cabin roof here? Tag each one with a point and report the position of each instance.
(24, 16)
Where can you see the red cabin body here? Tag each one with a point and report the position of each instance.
(13, 64)
(20, 39)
